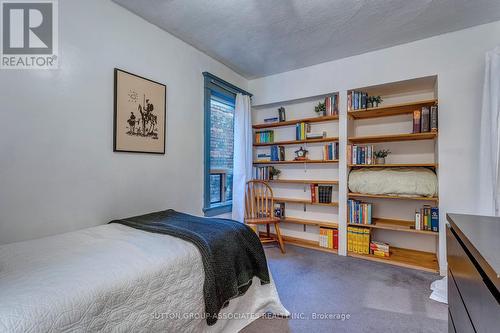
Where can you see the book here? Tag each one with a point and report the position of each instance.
(279, 210)
(418, 225)
(335, 239)
(271, 120)
(379, 249)
(416, 121)
(359, 212)
(434, 118)
(315, 135)
(313, 192)
(282, 153)
(425, 120)
(328, 106)
(435, 219)
(335, 104)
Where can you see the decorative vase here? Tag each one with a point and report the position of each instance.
(380, 160)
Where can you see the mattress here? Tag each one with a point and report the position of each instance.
(395, 181)
(113, 278)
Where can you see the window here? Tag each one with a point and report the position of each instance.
(220, 99)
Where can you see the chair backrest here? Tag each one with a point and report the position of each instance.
(259, 202)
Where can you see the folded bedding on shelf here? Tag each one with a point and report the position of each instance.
(394, 181)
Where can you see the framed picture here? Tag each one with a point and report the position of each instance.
(140, 114)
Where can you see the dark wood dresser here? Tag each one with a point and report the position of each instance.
(473, 250)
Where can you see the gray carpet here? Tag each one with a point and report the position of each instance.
(378, 297)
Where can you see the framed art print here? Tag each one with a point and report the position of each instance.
(140, 114)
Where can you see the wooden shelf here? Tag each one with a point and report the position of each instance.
(296, 142)
(425, 261)
(295, 121)
(384, 196)
(396, 225)
(305, 243)
(305, 201)
(297, 162)
(390, 110)
(295, 220)
(394, 165)
(394, 137)
(303, 181)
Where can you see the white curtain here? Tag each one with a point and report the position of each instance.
(490, 137)
(243, 155)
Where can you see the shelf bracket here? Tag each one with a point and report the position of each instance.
(305, 209)
(305, 227)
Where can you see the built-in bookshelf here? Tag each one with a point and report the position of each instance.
(391, 126)
(386, 126)
(304, 217)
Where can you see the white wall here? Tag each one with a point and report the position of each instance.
(458, 60)
(58, 171)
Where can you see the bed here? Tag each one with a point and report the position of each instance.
(116, 278)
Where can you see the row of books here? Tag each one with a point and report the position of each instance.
(277, 153)
(264, 136)
(329, 238)
(360, 154)
(321, 193)
(427, 218)
(279, 210)
(301, 130)
(331, 105)
(425, 120)
(331, 151)
(357, 100)
(379, 249)
(263, 157)
(262, 173)
(358, 240)
(359, 212)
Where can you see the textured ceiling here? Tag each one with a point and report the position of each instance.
(262, 37)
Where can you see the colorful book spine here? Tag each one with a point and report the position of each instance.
(359, 212)
(416, 121)
(358, 240)
(434, 118)
(328, 238)
(435, 219)
(360, 155)
(425, 120)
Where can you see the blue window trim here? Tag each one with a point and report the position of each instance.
(226, 91)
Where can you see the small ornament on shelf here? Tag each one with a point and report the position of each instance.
(301, 154)
(380, 155)
(281, 114)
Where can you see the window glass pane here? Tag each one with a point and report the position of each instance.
(221, 149)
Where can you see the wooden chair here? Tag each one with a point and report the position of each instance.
(259, 209)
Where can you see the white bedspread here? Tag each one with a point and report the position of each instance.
(113, 278)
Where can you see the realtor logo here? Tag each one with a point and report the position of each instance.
(29, 34)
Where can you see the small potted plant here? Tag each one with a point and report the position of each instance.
(376, 100)
(380, 156)
(274, 173)
(320, 109)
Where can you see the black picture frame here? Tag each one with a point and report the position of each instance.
(115, 114)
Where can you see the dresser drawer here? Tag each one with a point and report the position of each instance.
(461, 322)
(481, 305)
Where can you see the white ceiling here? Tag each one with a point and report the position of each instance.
(262, 37)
